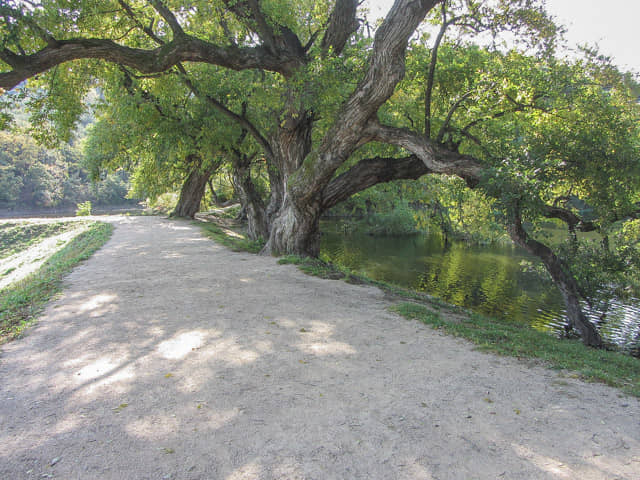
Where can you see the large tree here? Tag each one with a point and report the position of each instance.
(331, 94)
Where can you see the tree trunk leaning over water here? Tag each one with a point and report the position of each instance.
(561, 277)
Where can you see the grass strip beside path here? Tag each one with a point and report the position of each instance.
(17, 236)
(232, 239)
(499, 336)
(21, 302)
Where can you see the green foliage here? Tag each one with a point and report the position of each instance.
(613, 368)
(164, 203)
(22, 302)
(604, 271)
(32, 176)
(433, 203)
(401, 220)
(83, 209)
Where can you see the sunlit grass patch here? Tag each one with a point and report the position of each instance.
(18, 236)
(22, 301)
(230, 238)
(314, 266)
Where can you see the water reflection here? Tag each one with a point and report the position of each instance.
(485, 279)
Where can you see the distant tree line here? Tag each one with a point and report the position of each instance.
(34, 177)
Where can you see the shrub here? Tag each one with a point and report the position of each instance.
(83, 209)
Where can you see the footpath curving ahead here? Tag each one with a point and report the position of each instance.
(170, 357)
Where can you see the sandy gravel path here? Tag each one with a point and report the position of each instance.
(170, 357)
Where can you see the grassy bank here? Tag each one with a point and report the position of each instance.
(18, 236)
(504, 338)
(21, 302)
(488, 334)
(230, 238)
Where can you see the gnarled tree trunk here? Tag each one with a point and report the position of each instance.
(295, 230)
(192, 191)
(561, 277)
(294, 222)
(252, 204)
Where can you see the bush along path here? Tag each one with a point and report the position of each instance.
(171, 356)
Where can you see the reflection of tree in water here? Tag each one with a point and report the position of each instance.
(488, 280)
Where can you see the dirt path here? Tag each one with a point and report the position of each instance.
(170, 357)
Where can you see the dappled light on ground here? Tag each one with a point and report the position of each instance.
(96, 305)
(182, 344)
(152, 366)
(105, 368)
(230, 351)
(316, 340)
(547, 464)
(251, 470)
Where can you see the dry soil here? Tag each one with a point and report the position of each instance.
(170, 357)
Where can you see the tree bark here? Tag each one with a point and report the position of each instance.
(191, 193)
(293, 220)
(295, 230)
(252, 203)
(369, 172)
(561, 277)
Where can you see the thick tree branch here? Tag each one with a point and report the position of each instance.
(561, 276)
(435, 157)
(370, 172)
(573, 221)
(386, 69)
(249, 12)
(169, 17)
(280, 39)
(342, 24)
(187, 49)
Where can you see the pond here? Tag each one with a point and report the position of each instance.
(485, 279)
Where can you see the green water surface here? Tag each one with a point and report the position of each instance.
(486, 279)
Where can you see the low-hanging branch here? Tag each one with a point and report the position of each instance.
(369, 172)
(183, 49)
(240, 119)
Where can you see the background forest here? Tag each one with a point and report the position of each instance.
(35, 177)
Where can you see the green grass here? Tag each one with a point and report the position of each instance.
(501, 337)
(15, 237)
(22, 301)
(229, 238)
(315, 267)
